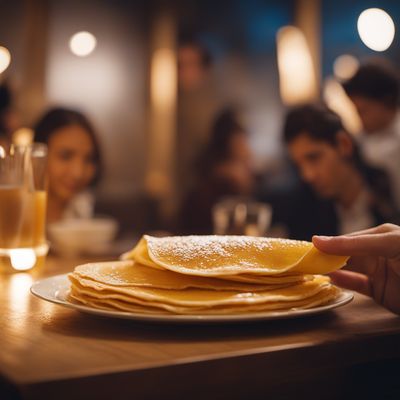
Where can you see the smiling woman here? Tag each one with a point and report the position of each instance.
(73, 162)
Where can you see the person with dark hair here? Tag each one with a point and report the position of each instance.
(198, 102)
(8, 118)
(375, 92)
(74, 162)
(194, 60)
(342, 194)
(224, 169)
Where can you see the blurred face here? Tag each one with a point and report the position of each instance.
(374, 114)
(239, 149)
(236, 168)
(71, 165)
(191, 71)
(320, 164)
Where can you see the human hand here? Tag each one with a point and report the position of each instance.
(374, 265)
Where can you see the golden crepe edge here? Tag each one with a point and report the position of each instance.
(312, 261)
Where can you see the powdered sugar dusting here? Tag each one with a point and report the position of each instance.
(222, 254)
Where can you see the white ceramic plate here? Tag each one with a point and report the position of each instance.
(55, 290)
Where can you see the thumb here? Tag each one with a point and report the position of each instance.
(381, 244)
(352, 280)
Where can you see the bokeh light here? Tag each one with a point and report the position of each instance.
(23, 136)
(337, 100)
(5, 59)
(297, 77)
(376, 29)
(82, 43)
(22, 259)
(345, 66)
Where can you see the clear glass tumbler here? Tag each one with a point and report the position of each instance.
(23, 196)
(237, 216)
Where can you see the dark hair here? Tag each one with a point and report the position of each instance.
(5, 97)
(190, 39)
(5, 104)
(375, 81)
(225, 126)
(316, 120)
(58, 118)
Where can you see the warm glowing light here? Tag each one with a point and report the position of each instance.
(337, 100)
(297, 77)
(163, 77)
(5, 59)
(19, 296)
(22, 137)
(376, 29)
(345, 66)
(22, 259)
(163, 88)
(19, 287)
(82, 44)
(19, 301)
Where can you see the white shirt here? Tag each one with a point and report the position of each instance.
(356, 217)
(382, 149)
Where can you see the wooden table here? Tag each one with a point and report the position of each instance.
(50, 352)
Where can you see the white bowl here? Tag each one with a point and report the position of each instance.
(80, 236)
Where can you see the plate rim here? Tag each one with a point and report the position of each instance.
(345, 297)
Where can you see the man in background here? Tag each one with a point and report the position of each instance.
(374, 90)
(339, 192)
(198, 103)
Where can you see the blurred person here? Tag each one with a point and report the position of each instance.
(224, 169)
(375, 90)
(374, 266)
(9, 121)
(198, 102)
(73, 163)
(194, 61)
(340, 192)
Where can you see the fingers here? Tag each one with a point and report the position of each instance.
(363, 264)
(352, 280)
(380, 244)
(376, 229)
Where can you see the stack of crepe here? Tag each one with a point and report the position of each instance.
(209, 275)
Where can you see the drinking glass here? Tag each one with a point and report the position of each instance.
(23, 198)
(236, 216)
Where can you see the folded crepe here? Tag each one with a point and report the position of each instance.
(130, 273)
(232, 255)
(209, 275)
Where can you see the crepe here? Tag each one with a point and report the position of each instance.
(130, 273)
(319, 299)
(302, 295)
(213, 256)
(210, 275)
(207, 298)
(267, 279)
